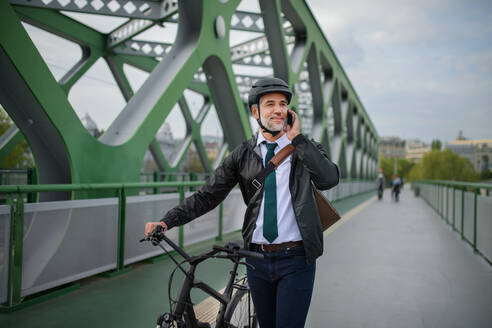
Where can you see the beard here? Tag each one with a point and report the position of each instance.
(270, 125)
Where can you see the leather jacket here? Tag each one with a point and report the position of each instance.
(309, 163)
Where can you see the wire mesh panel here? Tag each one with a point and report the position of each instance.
(233, 212)
(140, 210)
(468, 224)
(202, 228)
(66, 241)
(484, 226)
(4, 250)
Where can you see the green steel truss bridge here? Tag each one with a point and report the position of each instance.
(86, 185)
(394, 264)
(287, 43)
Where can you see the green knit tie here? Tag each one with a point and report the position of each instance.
(270, 231)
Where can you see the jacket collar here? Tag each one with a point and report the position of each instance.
(253, 145)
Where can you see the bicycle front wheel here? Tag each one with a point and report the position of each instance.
(240, 312)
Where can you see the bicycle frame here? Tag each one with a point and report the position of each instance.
(183, 304)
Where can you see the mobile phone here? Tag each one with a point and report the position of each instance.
(290, 118)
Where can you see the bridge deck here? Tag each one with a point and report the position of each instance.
(400, 265)
(387, 265)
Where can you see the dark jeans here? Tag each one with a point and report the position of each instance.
(281, 286)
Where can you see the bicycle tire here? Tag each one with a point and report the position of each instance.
(238, 313)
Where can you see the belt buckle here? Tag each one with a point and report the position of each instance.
(262, 247)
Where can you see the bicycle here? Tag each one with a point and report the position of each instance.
(236, 308)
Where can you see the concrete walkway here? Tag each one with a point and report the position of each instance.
(400, 265)
(387, 265)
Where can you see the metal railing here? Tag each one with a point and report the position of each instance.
(466, 207)
(19, 177)
(18, 218)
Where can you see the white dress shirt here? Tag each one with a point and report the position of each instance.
(286, 220)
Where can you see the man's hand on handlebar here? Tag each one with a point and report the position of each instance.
(150, 227)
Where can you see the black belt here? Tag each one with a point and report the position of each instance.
(274, 247)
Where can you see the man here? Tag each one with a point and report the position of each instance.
(281, 219)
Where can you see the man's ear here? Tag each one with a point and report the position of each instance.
(254, 111)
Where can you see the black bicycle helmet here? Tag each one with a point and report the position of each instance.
(267, 85)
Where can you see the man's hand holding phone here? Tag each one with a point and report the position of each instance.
(292, 128)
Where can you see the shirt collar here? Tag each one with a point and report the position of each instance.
(281, 142)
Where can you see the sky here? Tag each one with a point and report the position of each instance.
(422, 69)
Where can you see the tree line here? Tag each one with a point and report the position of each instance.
(20, 157)
(437, 164)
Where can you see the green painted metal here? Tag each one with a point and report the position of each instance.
(156, 179)
(447, 204)
(475, 196)
(121, 229)
(96, 167)
(332, 91)
(96, 186)
(457, 184)
(463, 213)
(15, 301)
(454, 208)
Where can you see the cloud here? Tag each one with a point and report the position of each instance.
(421, 68)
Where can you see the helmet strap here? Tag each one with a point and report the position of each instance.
(273, 133)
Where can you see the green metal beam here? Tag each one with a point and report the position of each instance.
(202, 44)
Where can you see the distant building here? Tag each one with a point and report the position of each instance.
(415, 150)
(212, 149)
(392, 147)
(479, 152)
(166, 140)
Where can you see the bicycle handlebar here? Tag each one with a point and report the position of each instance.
(231, 248)
(251, 254)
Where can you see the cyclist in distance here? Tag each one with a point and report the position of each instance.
(281, 220)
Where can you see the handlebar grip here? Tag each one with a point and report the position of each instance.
(251, 254)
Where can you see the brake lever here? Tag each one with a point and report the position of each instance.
(246, 264)
(152, 238)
